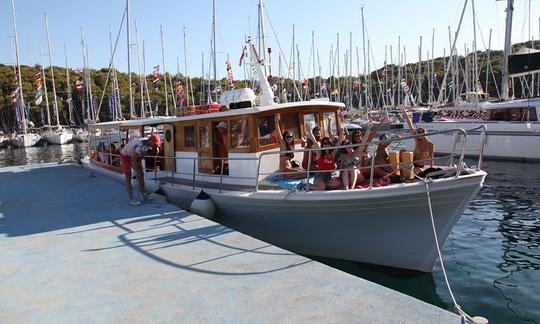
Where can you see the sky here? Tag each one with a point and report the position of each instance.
(386, 23)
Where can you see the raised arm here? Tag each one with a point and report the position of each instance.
(277, 130)
(412, 130)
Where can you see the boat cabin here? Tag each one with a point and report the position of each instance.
(231, 142)
(228, 143)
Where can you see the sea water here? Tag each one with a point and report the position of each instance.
(492, 256)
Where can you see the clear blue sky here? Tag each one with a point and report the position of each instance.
(385, 22)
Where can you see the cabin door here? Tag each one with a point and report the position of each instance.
(204, 145)
(168, 148)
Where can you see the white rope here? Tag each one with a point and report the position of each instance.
(457, 307)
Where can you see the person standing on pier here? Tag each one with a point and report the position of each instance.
(131, 156)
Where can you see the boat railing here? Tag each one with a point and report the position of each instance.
(310, 151)
(375, 143)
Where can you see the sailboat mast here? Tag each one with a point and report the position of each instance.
(214, 46)
(131, 108)
(52, 72)
(507, 46)
(69, 98)
(164, 72)
(21, 99)
(364, 56)
(45, 86)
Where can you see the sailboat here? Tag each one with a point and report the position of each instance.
(58, 135)
(23, 139)
(513, 125)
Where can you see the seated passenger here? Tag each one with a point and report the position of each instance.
(326, 163)
(291, 168)
(381, 157)
(349, 166)
(424, 149)
(310, 143)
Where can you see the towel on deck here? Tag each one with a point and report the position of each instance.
(289, 184)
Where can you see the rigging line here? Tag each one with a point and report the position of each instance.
(110, 63)
(279, 46)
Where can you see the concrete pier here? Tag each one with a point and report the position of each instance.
(72, 249)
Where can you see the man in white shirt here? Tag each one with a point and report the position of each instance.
(131, 157)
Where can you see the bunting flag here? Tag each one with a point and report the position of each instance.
(155, 77)
(356, 84)
(479, 88)
(179, 89)
(38, 84)
(434, 78)
(383, 73)
(243, 56)
(404, 86)
(79, 84)
(305, 83)
(335, 92)
(14, 95)
(230, 78)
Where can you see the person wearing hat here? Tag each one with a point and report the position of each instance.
(131, 157)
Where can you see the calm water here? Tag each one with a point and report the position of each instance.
(492, 256)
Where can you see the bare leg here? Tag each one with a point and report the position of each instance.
(345, 179)
(353, 175)
(319, 184)
(140, 177)
(129, 189)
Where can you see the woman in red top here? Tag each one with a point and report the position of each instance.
(325, 162)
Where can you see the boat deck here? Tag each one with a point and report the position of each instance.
(73, 250)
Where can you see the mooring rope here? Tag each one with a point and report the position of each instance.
(466, 317)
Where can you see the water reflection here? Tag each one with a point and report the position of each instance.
(42, 154)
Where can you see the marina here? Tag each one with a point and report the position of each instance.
(65, 257)
(493, 277)
(360, 187)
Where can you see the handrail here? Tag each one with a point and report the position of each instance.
(310, 151)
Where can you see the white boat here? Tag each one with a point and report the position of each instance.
(25, 140)
(58, 136)
(513, 127)
(388, 225)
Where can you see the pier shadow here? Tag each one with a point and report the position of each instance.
(170, 239)
(70, 202)
(37, 199)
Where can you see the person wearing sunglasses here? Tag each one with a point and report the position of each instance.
(288, 167)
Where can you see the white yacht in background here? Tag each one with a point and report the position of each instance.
(58, 135)
(513, 125)
(513, 128)
(25, 140)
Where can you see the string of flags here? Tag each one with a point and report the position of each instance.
(243, 56)
(155, 77)
(38, 85)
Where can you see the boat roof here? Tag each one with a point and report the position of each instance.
(136, 123)
(132, 123)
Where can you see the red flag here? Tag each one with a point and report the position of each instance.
(244, 54)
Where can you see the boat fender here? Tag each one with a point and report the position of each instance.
(203, 205)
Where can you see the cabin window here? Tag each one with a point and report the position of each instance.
(266, 126)
(189, 136)
(204, 139)
(332, 122)
(514, 114)
(311, 120)
(291, 123)
(239, 133)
